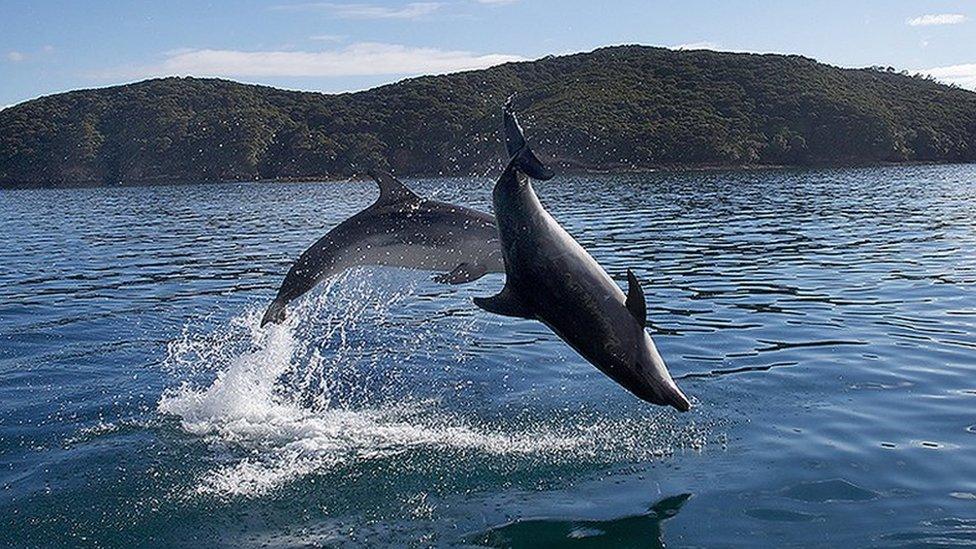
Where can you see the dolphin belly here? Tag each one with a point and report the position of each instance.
(403, 255)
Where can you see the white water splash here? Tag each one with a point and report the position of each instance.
(284, 432)
(244, 406)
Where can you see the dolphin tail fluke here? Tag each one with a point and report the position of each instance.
(275, 313)
(531, 166)
(523, 157)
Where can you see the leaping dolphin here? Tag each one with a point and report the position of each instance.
(400, 229)
(551, 278)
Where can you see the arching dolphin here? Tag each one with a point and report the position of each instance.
(551, 278)
(400, 229)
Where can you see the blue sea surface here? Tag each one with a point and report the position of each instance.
(822, 321)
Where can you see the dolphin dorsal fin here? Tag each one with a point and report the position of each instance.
(392, 190)
(635, 299)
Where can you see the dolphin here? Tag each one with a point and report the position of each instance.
(551, 278)
(400, 229)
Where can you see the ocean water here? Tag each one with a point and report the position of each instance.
(822, 321)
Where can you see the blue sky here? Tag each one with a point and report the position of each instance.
(52, 46)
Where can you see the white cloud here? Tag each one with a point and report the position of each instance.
(359, 59)
(937, 19)
(697, 46)
(497, 2)
(963, 75)
(413, 10)
(15, 56)
(328, 37)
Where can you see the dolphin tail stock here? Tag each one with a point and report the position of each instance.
(518, 149)
(275, 313)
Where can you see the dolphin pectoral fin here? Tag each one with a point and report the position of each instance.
(462, 274)
(392, 190)
(505, 303)
(635, 299)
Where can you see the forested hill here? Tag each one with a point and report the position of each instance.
(615, 108)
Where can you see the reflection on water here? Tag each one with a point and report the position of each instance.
(822, 321)
(643, 530)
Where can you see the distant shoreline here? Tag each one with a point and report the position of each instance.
(562, 171)
(615, 109)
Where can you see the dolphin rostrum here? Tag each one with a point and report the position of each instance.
(400, 229)
(551, 278)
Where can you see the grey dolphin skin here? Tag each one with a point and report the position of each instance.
(400, 229)
(551, 278)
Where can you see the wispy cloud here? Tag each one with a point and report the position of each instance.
(697, 46)
(497, 2)
(15, 56)
(328, 37)
(937, 19)
(963, 75)
(413, 10)
(359, 59)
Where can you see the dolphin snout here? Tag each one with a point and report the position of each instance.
(275, 313)
(658, 387)
(663, 392)
(675, 398)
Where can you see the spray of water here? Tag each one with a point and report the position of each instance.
(323, 390)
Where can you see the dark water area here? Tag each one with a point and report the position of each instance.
(823, 323)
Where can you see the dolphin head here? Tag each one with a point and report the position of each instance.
(640, 368)
(649, 379)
